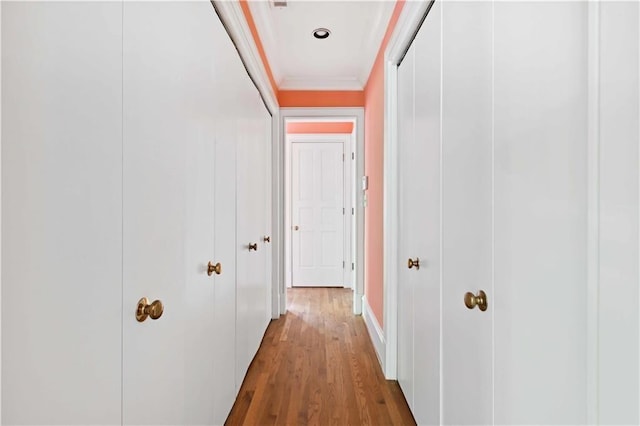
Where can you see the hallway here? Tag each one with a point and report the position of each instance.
(316, 365)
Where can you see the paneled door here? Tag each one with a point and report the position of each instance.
(317, 214)
(467, 350)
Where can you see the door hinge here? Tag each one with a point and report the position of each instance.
(353, 266)
(342, 157)
(352, 211)
(343, 264)
(343, 210)
(353, 155)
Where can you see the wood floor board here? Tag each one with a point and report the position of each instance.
(317, 366)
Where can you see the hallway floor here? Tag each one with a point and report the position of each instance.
(317, 365)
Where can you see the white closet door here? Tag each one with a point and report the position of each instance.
(407, 178)
(467, 211)
(156, 177)
(61, 212)
(540, 212)
(424, 192)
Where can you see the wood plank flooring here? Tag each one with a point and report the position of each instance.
(317, 366)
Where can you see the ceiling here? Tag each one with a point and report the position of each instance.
(341, 62)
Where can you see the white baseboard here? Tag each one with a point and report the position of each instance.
(375, 331)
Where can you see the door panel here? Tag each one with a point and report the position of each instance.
(406, 238)
(318, 210)
(540, 208)
(61, 212)
(467, 211)
(425, 221)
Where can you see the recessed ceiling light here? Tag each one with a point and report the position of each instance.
(321, 33)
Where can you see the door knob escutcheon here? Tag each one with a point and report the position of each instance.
(211, 268)
(267, 239)
(479, 300)
(413, 263)
(146, 309)
(253, 246)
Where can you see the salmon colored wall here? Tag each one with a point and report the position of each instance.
(373, 167)
(320, 127)
(321, 98)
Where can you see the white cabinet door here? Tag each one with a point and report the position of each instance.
(61, 212)
(424, 205)
(540, 212)
(407, 177)
(317, 214)
(467, 211)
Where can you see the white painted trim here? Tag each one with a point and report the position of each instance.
(408, 22)
(345, 140)
(375, 331)
(1, 212)
(331, 114)
(234, 21)
(260, 12)
(337, 83)
(593, 213)
(277, 239)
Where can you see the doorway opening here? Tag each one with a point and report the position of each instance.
(323, 217)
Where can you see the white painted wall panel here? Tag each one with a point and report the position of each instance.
(61, 212)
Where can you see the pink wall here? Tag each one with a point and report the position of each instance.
(373, 167)
(320, 127)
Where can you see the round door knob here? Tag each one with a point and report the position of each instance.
(267, 239)
(146, 309)
(253, 246)
(295, 228)
(211, 268)
(414, 263)
(479, 300)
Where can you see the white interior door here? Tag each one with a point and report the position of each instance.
(407, 176)
(467, 211)
(317, 210)
(61, 212)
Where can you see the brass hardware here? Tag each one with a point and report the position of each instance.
(414, 263)
(253, 247)
(211, 268)
(267, 239)
(153, 310)
(472, 301)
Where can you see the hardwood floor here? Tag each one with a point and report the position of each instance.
(317, 365)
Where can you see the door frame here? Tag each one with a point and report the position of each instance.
(355, 115)
(348, 184)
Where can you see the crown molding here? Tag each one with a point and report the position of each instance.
(232, 17)
(261, 16)
(379, 27)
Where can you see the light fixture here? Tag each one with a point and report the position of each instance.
(321, 33)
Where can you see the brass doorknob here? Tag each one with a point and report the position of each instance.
(471, 300)
(267, 239)
(295, 228)
(145, 309)
(211, 268)
(414, 263)
(253, 246)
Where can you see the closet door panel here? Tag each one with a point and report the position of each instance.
(61, 212)
(540, 212)
(155, 209)
(406, 237)
(426, 190)
(467, 211)
(618, 286)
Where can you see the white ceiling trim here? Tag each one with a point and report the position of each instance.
(338, 83)
(260, 12)
(378, 28)
(231, 14)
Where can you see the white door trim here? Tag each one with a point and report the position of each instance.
(408, 23)
(347, 149)
(324, 114)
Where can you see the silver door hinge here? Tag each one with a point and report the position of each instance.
(352, 211)
(353, 155)
(343, 264)
(353, 266)
(342, 157)
(343, 210)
